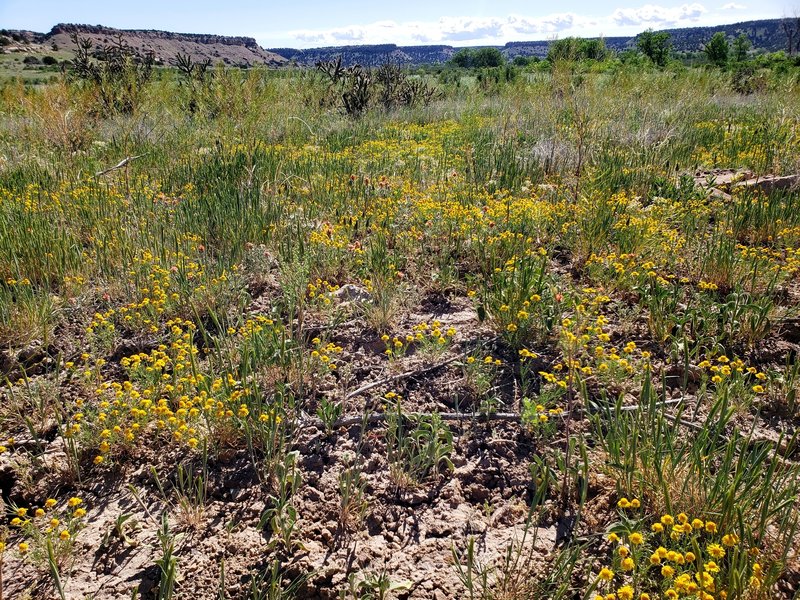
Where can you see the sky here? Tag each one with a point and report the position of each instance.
(309, 23)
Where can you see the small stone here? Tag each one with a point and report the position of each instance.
(352, 293)
(326, 536)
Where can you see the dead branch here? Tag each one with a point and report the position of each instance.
(119, 165)
(407, 374)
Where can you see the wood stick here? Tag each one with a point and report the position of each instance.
(365, 388)
(119, 165)
(379, 417)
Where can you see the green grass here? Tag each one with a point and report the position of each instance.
(620, 318)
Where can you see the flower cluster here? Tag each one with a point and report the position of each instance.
(36, 527)
(323, 354)
(734, 374)
(427, 337)
(675, 557)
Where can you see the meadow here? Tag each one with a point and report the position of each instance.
(529, 338)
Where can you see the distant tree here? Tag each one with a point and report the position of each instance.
(791, 27)
(563, 49)
(741, 46)
(593, 49)
(630, 56)
(480, 58)
(49, 60)
(655, 46)
(489, 57)
(573, 48)
(717, 49)
(463, 58)
(522, 61)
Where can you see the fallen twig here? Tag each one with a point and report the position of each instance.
(684, 422)
(407, 374)
(311, 131)
(379, 417)
(119, 165)
(373, 418)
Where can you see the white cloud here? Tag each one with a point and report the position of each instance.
(447, 30)
(651, 14)
(471, 30)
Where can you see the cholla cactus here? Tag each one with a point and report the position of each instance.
(358, 86)
(116, 71)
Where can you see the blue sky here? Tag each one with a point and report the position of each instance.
(306, 23)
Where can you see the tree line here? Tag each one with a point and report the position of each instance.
(719, 50)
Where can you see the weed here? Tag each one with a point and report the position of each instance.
(417, 446)
(281, 516)
(168, 563)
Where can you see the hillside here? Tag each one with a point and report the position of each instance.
(234, 51)
(369, 55)
(767, 35)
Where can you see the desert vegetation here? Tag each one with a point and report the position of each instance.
(516, 332)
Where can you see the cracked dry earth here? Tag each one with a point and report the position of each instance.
(408, 534)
